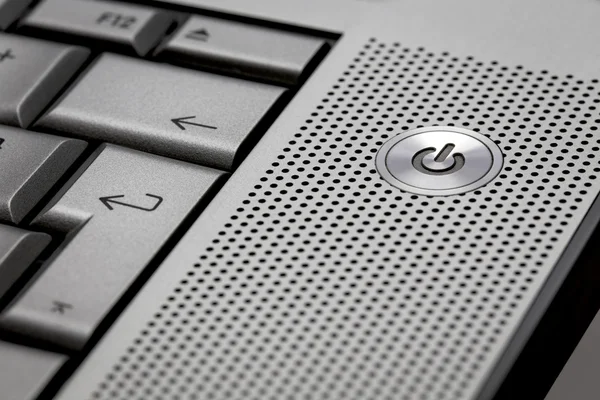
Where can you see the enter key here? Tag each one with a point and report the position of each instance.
(116, 214)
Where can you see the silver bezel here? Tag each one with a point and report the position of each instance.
(496, 167)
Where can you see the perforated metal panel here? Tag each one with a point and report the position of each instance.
(328, 283)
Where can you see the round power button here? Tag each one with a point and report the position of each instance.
(439, 160)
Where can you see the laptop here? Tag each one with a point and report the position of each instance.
(316, 199)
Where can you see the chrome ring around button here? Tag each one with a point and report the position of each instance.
(439, 160)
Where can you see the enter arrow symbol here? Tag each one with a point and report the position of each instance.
(109, 201)
(180, 122)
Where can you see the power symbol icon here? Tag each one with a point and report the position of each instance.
(439, 160)
(430, 161)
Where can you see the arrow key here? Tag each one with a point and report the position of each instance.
(116, 214)
(189, 115)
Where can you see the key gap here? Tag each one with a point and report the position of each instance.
(96, 46)
(12, 27)
(60, 184)
(172, 59)
(248, 144)
(58, 239)
(79, 74)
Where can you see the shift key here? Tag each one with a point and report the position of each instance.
(116, 214)
(162, 109)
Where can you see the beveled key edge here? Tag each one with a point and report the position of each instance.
(42, 92)
(25, 199)
(26, 249)
(153, 32)
(12, 10)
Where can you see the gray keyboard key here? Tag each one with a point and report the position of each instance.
(32, 72)
(18, 249)
(10, 10)
(116, 217)
(136, 27)
(31, 163)
(243, 49)
(26, 371)
(162, 109)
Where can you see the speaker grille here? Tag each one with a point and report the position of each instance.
(328, 283)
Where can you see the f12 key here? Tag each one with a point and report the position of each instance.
(132, 27)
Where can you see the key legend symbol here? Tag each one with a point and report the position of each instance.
(439, 160)
(116, 20)
(60, 307)
(430, 161)
(198, 34)
(182, 121)
(109, 201)
(7, 55)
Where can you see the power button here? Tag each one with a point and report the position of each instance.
(439, 160)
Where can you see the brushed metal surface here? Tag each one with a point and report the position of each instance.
(321, 279)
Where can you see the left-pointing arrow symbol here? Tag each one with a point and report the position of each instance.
(109, 202)
(182, 121)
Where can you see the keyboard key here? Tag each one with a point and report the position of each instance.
(134, 27)
(32, 72)
(190, 115)
(26, 371)
(31, 163)
(116, 217)
(10, 10)
(243, 49)
(18, 249)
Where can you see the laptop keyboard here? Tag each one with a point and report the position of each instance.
(117, 121)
